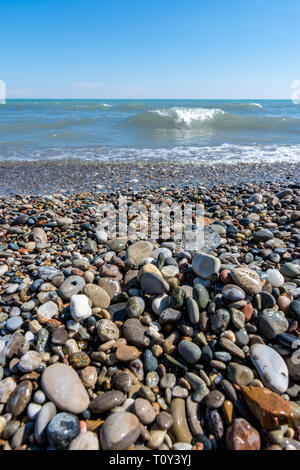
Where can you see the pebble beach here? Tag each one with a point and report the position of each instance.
(114, 344)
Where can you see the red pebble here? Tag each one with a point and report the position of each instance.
(225, 276)
(83, 426)
(247, 311)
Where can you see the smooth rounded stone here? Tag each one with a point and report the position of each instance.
(144, 411)
(179, 392)
(122, 381)
(206, 266)
(29, 362)
(7, 386)
(139, 251)
(247, 279)
(233, 293)
(88, 376)
(295, 309)
(135, 307)
(232, 348)
(134, 333)
(39, 236)
(237, 318)
(47, 273)
(3, 269)
(263, 235)
(154, 284)
(271, 323)
(97, 295)
(192, 310)
(193, 411)
(119, 431)
(160, 303)
(85, 441)
(107, 401)
(242, 436)
(10, 429)
(22, 435)
(180, 430)
(47, 311)
(170, 315)
(169, 271)
(201, 295)
(214, 399)
(19, 398)
(242, 338)
(150, 361)
(275, 278)
(219, 321)
(47, 412)
(164, 420)
(215, 423)
(267, 300)
(271, 367)
(62, 430)
(79, 360)
(239, 374)
(33, 410)
(168, 381)
(107, 330)
(126, 353)
(71, 286)
(79, 307)
(63, 386)
(39, 397)
(290, 270)
(14, 323)
(190, 352)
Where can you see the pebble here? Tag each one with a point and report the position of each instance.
(85, 441)
(62, 430)
(242, 436)
(119, 431)
(29, 362)
(190, 352)
(206, 266)
(79, 307)
(107, 401)
(144, 411)
(47, 412)
(247, 279)
(154, 284)
(63, 386)
(47, 311)
(71, 286)
(107, 330)
(271, 367)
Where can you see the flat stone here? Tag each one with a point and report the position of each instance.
(170, 315)
(47, 311)
(19, 398)
(271, 367)
(29, 362)
(63, 386)
(247, 279)
(220, 320)
(7, 386)
(139, 251)
(88, 376)
(242, 436)
(239, 374)
(71, 286)
(111, 287)
(154, 284)
(39, 236)
(85, 441)
(269, 408)
(275, 278)
(233, 293)
(214, 399)
(193, 411)
(271, 323)
(47, 412)
(206, 266)
(122, 381)
(107, 401)
(201, 295)
(125, 353)
(134, 332)
(144, 411)
(192, 310)
(231, 348)
(119, 431)
(79, 307)
(97, 295)
(135, 307)
(107, 330)
(263, 235)
(190, 352)
(160, 303)
(290, 270)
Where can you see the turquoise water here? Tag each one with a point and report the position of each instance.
(188, 130)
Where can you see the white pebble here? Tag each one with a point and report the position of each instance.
(39, 397)
(33, 410)
(79, 307)
(275, 278)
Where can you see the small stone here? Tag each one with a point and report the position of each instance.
(79, 307)
(119, 431)
(71, 286)
(125, 353)
(239, 374)
(247, 279)
(29, 362)
(97, 295)
(47, 412)
(107, 401)
(242, 436)
(7, 386)
(214, 399)
(144, 411)
(107, 330)
(63, 386)
(62, 430)
(233, 293)
(271, 323)
(154, 284)
(134, 332)
(139, 251)
(275, 278)
(180, 430)
(79, 360)
(206, 266)
(192, 310)
(263, 235)
(190, 352)
(85, 441)
(19, 398)
(290, 270)
(271, 367)
(135, 307)
(47, 311)
(14, 323)
(160, 303)
(122, 381)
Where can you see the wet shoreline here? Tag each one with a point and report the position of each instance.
(72, 176)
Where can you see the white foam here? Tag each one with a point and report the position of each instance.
(257, 105)
(189, 115)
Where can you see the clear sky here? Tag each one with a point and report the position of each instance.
(149, 49)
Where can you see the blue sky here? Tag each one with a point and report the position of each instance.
(149, 49)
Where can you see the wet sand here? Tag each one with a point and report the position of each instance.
(72, 176)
